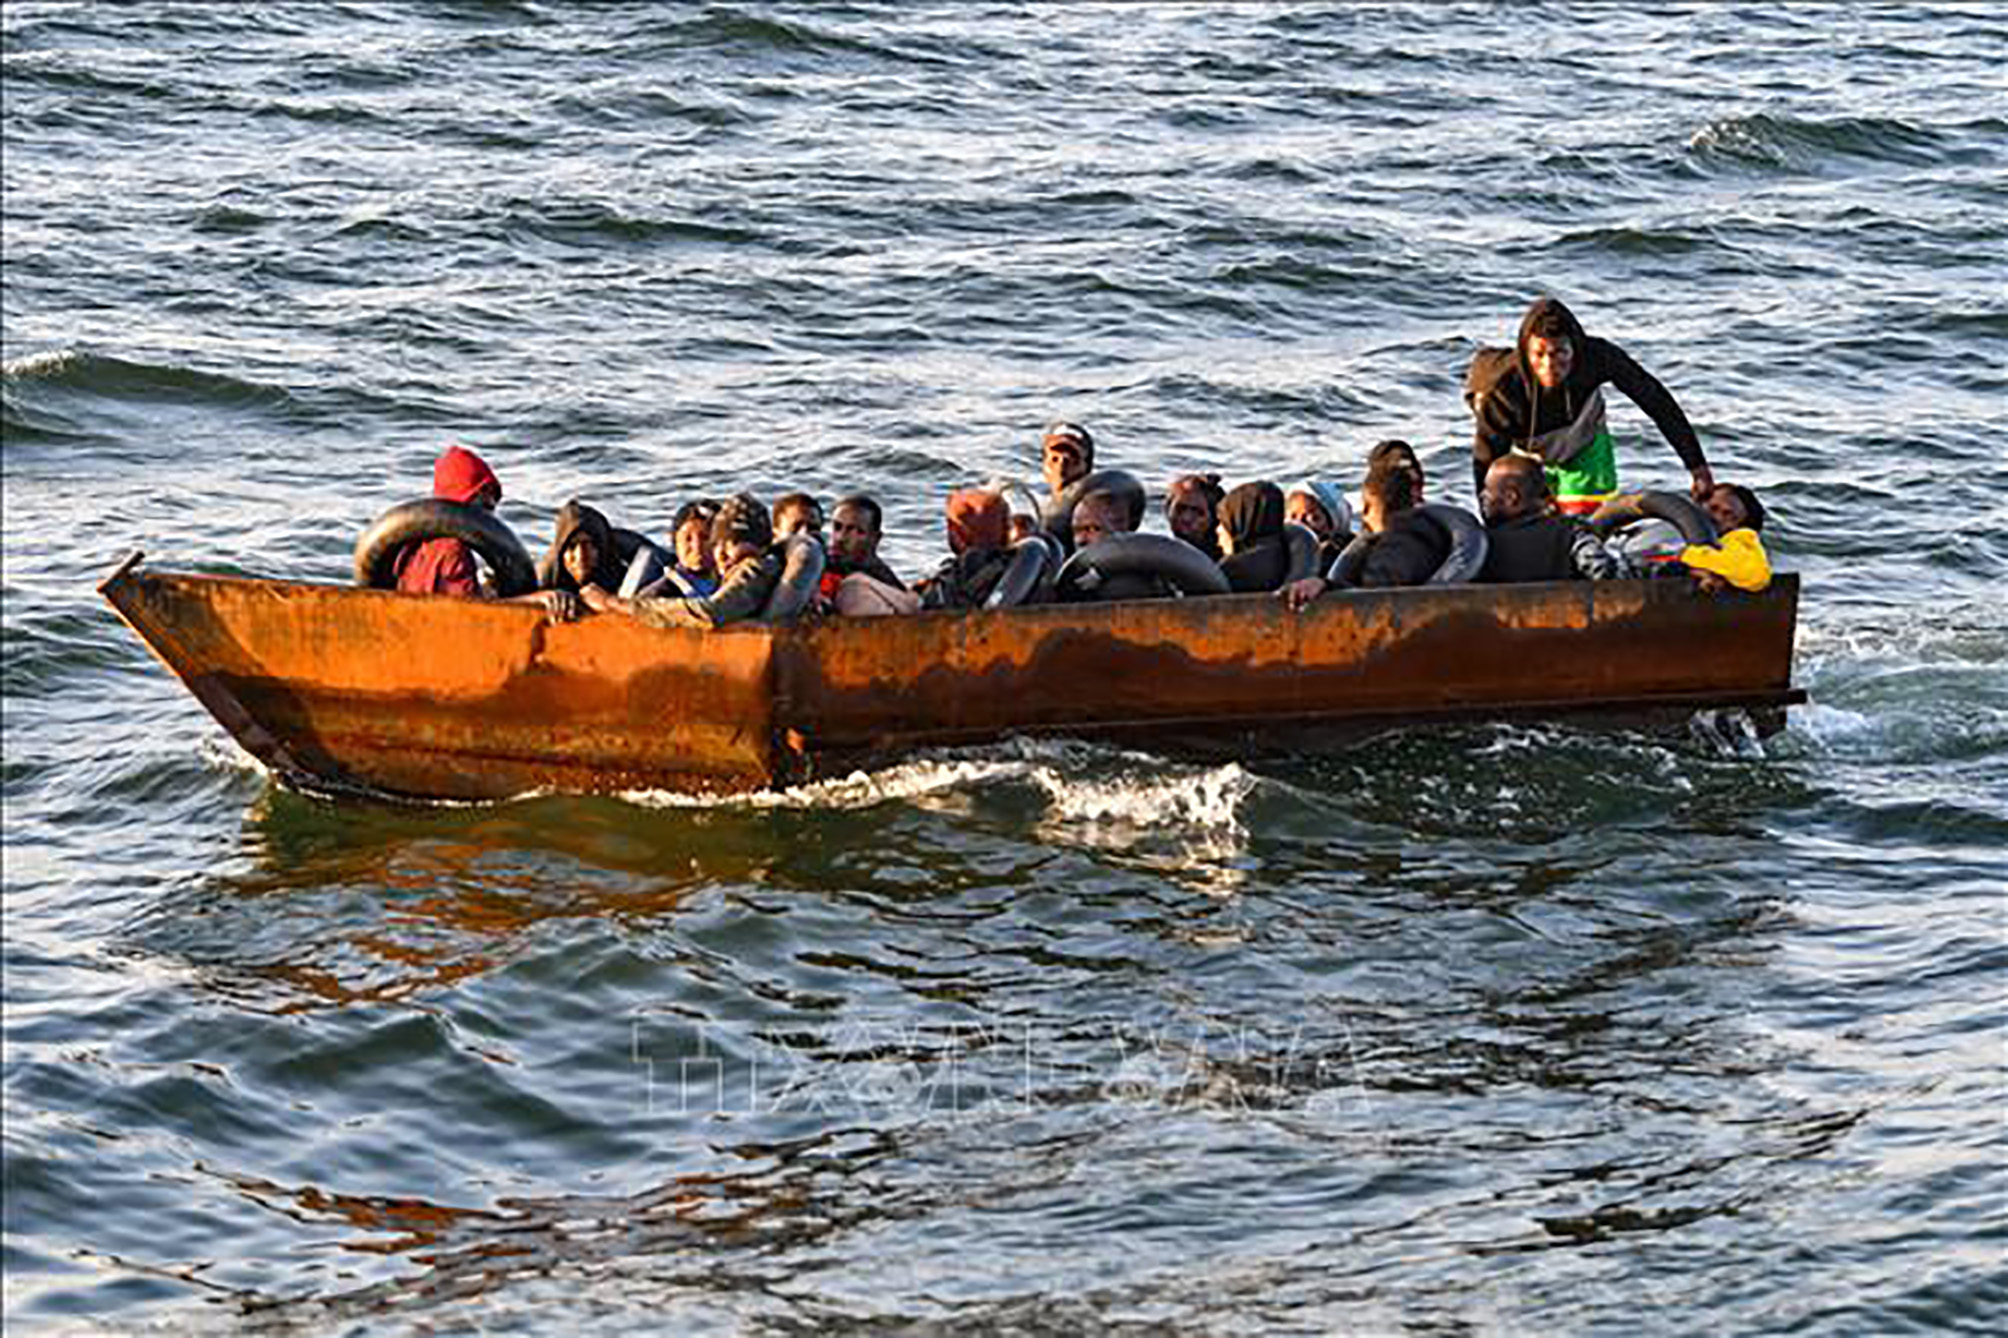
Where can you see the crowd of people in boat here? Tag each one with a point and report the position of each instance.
(1543, 463)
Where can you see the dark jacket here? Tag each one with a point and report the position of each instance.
(1406, 552)
(836, 568)
(1547, 547)
(740, 596)
(965, 581)
(1512, 410)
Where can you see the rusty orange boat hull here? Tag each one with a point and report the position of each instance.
(344, 689)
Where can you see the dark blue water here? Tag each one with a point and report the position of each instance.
(1469, 1030)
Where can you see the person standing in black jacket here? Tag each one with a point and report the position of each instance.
(1544, 398)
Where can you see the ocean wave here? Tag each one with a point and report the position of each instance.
(106, 376)
(1790, 143)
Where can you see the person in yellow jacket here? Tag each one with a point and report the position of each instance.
(1738, 558)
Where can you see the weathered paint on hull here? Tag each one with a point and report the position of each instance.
(476, 700)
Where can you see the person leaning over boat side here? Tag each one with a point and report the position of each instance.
(1544, 398)
(1322, 509)
(1738, 557)
(1066, 454)
(445, 566)
(1251, 538)
(1192, 511)
(798, 513)
(1527, 539)
(582, 551)
(978, 523)
(1403, 545)
(856, 581)
(750, 565)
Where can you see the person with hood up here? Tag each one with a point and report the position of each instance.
(1544, 398)
(749, 565)
(1323, 510)
(582, 552)
(445, 565)
(1251, 537)
(978, 522)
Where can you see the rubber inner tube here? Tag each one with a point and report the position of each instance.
(1033, 562)
(1682, 512)
(1160, 555)
(431, 518)
(1302, 542)
(1468, 543)
(1057, 517)
(801, 573)
(1468, 547)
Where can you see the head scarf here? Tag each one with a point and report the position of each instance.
(459, 475)
(977, 518)
(1253, 514)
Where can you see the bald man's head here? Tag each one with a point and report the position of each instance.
(1515, 486)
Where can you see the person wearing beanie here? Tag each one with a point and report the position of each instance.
(749, 566)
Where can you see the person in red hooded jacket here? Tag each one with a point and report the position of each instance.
(445, 566)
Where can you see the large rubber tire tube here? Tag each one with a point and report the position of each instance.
(1175, 560)
(801, 574)
(1468, 544)
(1033, 562)
(1468, 547)
(430, 518)
(1057, 519)
(1682, 512)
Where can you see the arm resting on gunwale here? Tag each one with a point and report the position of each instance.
(742, 596)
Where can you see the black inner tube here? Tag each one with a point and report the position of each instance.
(1158, 555)
(1302, 541)
(1057, 518)
(1468, 544)
(432, 518)
(1682, 512)
(1033, 561)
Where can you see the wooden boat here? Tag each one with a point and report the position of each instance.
(336, 688)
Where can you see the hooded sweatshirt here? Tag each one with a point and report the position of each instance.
(446, 566)
(576, 518)
(1253, 514)
(1565, 426)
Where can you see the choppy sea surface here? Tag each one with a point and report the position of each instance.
(1469, 1030)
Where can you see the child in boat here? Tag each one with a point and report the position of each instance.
(690, 538)
(750, 564)
(1322, 509)
(1738, 557)
(978, 524)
